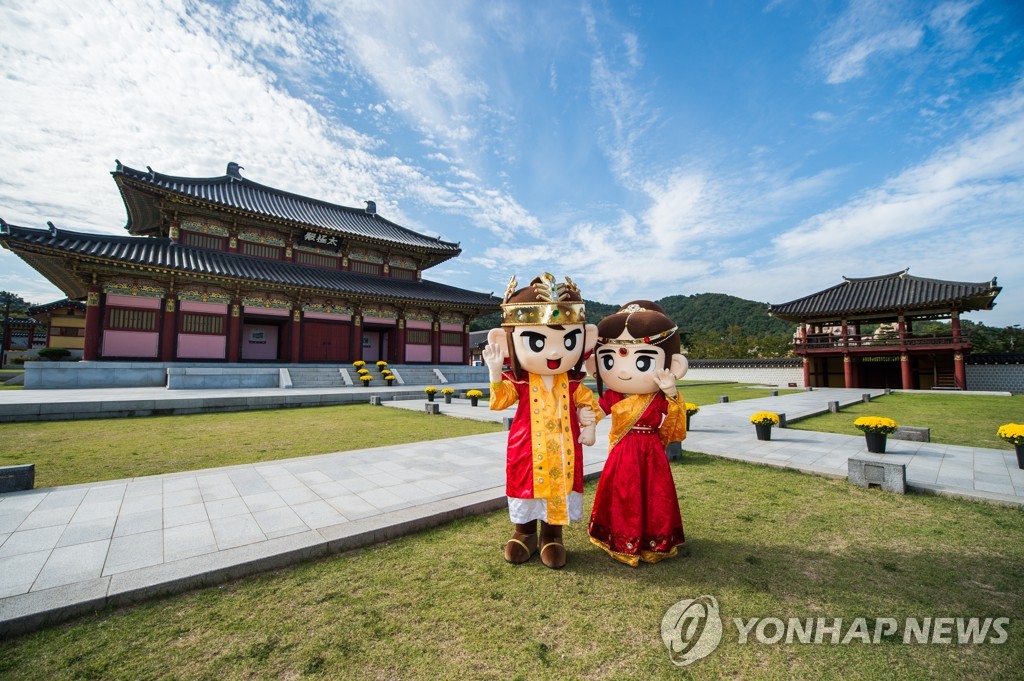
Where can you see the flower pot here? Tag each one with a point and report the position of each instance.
(763, 432)
(687, 422)
(430, 397)
(447, 399)
(876, 442)
(473, 401)
(1020, 455)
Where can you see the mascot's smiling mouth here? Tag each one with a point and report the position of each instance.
(554, 364)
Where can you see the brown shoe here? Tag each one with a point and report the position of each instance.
(521, 547)
(552, 552)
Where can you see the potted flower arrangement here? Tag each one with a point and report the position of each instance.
(447, 392)
(366, 378)
(389, 377)
(1014, 434)
(363, 372)
(359, 364)
(876, 429)
(474, 396)
(763, 422)
(430, 391)
(691, 409)
(381, 365)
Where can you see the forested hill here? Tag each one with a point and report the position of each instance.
(701, 312)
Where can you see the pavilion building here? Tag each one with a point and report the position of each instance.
(836, 353)
(223, 269)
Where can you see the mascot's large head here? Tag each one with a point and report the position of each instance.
(632, 344)
(544, 327)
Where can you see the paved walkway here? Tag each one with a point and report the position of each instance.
(75, 549)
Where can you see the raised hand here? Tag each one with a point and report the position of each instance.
(493, 357)
(665, 380)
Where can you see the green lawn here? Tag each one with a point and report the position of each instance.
(970, 420)
(442, 603)
(69, 452)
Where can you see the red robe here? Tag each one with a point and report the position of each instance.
(520, 466)
(636, 509)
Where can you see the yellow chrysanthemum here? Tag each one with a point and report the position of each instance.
(765, 418)
(1012, 433)
(875, 424)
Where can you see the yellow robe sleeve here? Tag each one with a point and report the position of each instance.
(584, 397)
(673, 428)
(503, 395)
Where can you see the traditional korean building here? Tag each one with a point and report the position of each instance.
(836, 353)
(65, 325)
(223, 269)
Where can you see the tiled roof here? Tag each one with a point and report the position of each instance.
(19, 322)
(152, 252)
(62, 304)
(891, 293)
(237, 193)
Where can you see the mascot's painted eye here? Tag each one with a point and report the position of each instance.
(608, 361)
(644, 363)
(570, 341)
(535, 341)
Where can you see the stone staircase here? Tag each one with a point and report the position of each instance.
(316, 378)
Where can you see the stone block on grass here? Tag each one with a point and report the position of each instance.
(892, 477)
(17, 478)
(912, 434)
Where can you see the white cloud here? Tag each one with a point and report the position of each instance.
(850, 60)
(952, 189)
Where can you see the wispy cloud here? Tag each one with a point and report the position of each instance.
(868, 29)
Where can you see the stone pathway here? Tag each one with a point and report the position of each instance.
(71, 550)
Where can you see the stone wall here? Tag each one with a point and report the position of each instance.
(999, 377)
(778, 372)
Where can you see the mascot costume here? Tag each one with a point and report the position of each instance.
(638, 361)
(545, 339)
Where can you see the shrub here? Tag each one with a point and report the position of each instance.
(54, 354)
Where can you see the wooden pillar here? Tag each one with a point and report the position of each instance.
(235, 331)
(807, 372)
(955, 323)
(849, 380)
(93, 324)
(296, 336)
(959, 371)
(357, 336)
(465, 344)
(846, 343)
(400, 340)
(435, 342)
(906, 374)
(169, 328)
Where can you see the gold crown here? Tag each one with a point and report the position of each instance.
(554, 306)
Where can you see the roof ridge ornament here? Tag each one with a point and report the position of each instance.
(233, 169)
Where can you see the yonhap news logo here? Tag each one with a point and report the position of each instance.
(692, 629)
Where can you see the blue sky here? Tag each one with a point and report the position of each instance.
(643, 148)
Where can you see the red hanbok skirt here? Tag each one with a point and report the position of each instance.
(636, 511)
